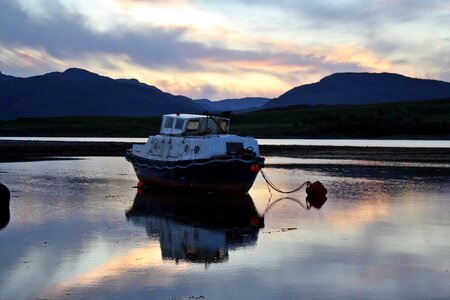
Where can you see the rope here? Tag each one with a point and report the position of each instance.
(270, 184)
(273, 186)
(286, 198)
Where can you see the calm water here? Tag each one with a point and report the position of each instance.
(79, 229)
(303, 142)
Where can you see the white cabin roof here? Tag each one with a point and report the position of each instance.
(185, 116)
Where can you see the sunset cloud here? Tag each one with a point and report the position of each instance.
(216, 50)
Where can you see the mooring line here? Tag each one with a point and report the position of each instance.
(273, 186)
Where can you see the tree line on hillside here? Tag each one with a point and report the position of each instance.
(424, 118)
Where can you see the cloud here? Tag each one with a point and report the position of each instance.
(200, 48)
(381, 25)
(67, 36)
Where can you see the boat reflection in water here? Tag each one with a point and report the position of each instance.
(198, 228)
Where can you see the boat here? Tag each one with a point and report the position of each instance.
(197, 152)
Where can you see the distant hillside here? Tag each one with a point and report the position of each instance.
(412, 119)
(418, 119)
(247, 103)
(362, 88)
(77, 92)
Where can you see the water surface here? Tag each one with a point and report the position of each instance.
(79, 229)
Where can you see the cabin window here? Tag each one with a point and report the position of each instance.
(196, 149)
(186, 149)
(235, 148)
(179, 124)
(169, 122)
(193, 126)
(224, 125)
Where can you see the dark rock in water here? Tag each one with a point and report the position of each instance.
(4, 206)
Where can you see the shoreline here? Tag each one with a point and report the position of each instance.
(13, 151)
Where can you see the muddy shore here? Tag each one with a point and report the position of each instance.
(32, 150)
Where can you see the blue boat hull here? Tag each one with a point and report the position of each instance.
(227, 174)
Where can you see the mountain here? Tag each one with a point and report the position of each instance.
(247, 103)
(77, 92)
(362, 88)
(4, 77)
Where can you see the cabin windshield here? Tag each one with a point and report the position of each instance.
(179, 123)
(169, 122)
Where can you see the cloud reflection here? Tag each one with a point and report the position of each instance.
(190, 228)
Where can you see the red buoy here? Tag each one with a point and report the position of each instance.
(255, 168)
(255, 222)
(316, 194)
(140, 185)
(316, 189)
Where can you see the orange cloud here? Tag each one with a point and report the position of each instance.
(28, 59)
(358, 55)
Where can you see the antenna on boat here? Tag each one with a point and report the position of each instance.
(207, 117)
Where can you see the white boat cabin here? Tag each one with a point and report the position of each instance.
(187, 124)
(190, 137)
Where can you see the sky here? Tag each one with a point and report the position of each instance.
(226, 49)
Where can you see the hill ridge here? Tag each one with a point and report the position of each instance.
(78, 92)
(362, 88)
